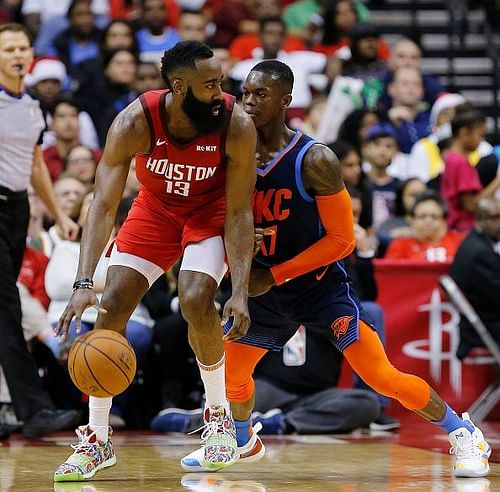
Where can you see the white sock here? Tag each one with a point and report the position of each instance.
(214, 381)
(99, 416)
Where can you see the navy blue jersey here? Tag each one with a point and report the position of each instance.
(282, 203)
(322, 300)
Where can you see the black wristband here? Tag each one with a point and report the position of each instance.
(84, 283)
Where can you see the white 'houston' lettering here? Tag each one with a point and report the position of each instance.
(204, 173)
(179, 172)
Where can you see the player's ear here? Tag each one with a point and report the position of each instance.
(287, 99)
(178, 86)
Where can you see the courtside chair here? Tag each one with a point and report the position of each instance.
(491, 395)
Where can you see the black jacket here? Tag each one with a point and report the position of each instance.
(476, 270)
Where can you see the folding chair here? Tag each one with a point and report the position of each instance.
(491, 395)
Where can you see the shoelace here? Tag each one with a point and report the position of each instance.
(83, 445)
(212, 427)
(469, 450)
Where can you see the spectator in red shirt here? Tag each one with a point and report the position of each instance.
(460, 185)
(432, 240)
(66, 128)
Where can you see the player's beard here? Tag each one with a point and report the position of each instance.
(201, 114)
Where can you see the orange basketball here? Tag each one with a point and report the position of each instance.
(102, 363)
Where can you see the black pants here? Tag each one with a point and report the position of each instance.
(18, 365)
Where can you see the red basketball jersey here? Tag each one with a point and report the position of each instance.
(181, 175)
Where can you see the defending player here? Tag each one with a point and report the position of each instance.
(299, 277)
(195, 159)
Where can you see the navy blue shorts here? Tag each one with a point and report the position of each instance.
(333, 310)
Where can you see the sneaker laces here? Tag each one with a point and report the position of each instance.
(84, 443)
(468, 449)
(211, 428)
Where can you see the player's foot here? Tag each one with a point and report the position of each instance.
(384, 423)
(89, 456)
(201, 482)
(273, 421)
(252, 451)
(177, 420)
(471, 451)
(219, 438)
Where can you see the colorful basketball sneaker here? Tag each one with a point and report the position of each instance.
(218, 439)
(471, 452)
(252, 451)
(90, 456)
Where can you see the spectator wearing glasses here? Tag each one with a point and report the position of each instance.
(431, 241)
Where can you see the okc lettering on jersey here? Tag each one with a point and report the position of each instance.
(269, 205)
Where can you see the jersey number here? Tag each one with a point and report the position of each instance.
(269, 248)
(177, 187)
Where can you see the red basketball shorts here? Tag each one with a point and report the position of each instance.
(159, 234)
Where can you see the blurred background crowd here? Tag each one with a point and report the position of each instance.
(405, 94)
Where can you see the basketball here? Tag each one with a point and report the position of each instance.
(102, 363)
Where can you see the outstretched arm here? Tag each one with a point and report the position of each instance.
(322, 179)
(241, 173)
(128, 134)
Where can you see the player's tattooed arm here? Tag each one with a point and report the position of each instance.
(321, 172)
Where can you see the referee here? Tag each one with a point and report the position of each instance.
(21, 162)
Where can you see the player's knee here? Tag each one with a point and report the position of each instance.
(196, 303)
(239, 391)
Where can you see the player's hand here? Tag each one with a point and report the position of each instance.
(261, 280)
(80, 300)
(259, 233)
(68, 228)
(236, 308)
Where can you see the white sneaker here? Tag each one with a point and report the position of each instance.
(252, 451)
(471, 452)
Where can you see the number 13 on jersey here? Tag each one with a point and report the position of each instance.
(177, 187)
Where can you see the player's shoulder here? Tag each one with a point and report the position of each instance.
(131, 120)
(240, 125)
(320, 153)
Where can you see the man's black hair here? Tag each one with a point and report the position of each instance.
(278, 71)
(183, 55)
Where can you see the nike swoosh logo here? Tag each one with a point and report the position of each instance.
(160, 142)
(319, 276)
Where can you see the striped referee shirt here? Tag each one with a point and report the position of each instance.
(21, 125)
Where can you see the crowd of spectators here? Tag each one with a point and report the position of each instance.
(414, 157)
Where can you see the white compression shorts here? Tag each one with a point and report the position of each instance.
(207, 256)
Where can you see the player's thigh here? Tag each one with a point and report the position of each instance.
(202, 268)
(128, 279)
(335, 313)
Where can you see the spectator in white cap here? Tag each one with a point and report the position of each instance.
(425, 160)
(46, 82)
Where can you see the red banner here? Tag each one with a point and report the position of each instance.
(422, 332)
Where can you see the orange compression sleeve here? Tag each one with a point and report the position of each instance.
(335, 212)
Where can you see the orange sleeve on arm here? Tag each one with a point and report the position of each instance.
(335, 212)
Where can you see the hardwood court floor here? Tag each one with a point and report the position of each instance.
(359, 462)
